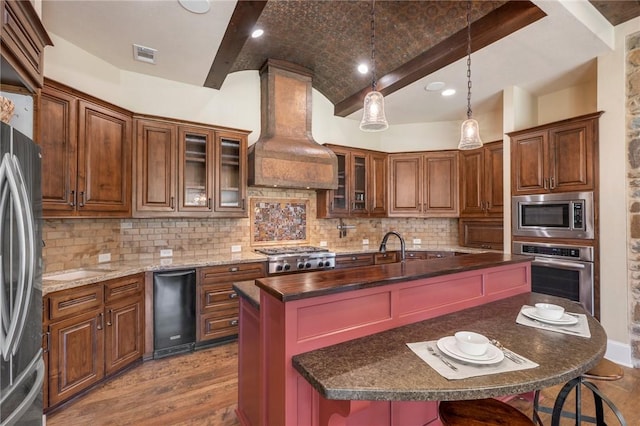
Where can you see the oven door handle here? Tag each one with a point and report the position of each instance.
(541, 260)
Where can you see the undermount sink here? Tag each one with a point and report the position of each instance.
(78, 275)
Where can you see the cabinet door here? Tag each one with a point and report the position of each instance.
(529, 163)
(472, 182)
(76, 356)
(123, 333)
(493, 180)
(231, 179)
(335, 203)
(58, 142)
(104, 160)
(572, 148)
(377, 184)
(195, 172)
(359, 189)
(480, 233)
(406, 185)
(441, 184)
(155, 166)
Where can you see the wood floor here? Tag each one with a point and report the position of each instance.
(200, 388)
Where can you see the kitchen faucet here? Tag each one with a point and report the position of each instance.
(383, 244)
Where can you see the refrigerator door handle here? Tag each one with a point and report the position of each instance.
(14, 312)
(36, 365)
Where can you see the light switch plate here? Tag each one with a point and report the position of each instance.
(365, 242)
(323, 243)
(417, 241)
(236, 249)
(104, 257)
(166, 253)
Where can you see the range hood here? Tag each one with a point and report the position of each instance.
(286, 155)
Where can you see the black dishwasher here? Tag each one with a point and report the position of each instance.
(174, 312)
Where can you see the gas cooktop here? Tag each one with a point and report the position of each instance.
(288, 259)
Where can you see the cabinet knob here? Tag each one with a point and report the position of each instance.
(233, 322)
(234, 269)
(109, 321)
(354, 257)
(233, 295)
(100, 324)
(81, 204)
(72, 203)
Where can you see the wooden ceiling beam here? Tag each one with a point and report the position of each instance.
(503, 21)
(243, 21)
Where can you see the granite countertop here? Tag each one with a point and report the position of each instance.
(313, 284)
(382, 367)
(121, 269)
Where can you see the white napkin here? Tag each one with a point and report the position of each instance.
(464, 369)
(581, 328)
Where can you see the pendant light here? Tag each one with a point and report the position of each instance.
(470, 130)
(373, 119)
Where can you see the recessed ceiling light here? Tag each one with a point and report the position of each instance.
(434, 86)
(195, 6)
(448, 92)
(257, 33)
(363, 68)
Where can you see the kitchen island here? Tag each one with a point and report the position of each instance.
(304, 312)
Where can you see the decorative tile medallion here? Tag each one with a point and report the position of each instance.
(278, 221)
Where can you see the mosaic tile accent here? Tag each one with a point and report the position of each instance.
(277, 221)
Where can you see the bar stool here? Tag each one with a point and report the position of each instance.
(605, 370)
(481, 412)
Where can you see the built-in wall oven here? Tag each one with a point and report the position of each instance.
(561, 270)
(562, 215)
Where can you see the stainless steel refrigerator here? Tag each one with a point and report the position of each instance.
(22, 366)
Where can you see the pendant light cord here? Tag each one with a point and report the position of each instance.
(468, 59)
(373, 46)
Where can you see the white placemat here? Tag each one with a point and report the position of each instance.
(464, 370)
(581, 328)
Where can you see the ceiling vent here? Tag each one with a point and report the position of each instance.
(144, 54)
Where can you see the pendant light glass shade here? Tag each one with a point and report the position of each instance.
(373, 119)
(470, 135)
(470, 130)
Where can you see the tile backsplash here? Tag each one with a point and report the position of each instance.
(75, 243)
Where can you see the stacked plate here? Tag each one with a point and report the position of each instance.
(449, 347)
(565, 319)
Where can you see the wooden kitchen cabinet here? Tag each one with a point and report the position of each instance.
(354, 260)
(555, 157)
(424, 184)
(481, 233)
(218, 302)
(189, 170)
(86, 155)
(362, 185)
(22, 45)
(481, 181)
(92, 332)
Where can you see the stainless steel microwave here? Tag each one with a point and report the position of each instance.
(562, 215)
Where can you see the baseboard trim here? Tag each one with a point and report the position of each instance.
(619, 353)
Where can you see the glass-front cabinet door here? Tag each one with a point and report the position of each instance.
(359, 183)
(196, 170)
(339, 198)
(231, 156)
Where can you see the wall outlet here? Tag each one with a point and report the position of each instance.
(236, 249)
(166, 261)
(365, 242)
(323, 243)
(417, 241)
(104, 257)
(166, 253)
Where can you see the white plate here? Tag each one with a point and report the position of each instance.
(449, 347)
(564, 320)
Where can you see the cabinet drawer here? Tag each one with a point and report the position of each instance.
(353, 260)
(216, 296)
(230, 273)
(215, 328)
(439, 254)
(417, 255)
(123, 287)
(381, 258)
(74, 301)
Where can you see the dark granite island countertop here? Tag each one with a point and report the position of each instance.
(382, 367)
(312, 284)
